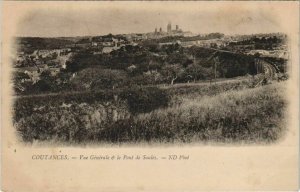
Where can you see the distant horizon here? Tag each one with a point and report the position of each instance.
(81, 36)
(102, 18)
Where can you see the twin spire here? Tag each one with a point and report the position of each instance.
(169, 28)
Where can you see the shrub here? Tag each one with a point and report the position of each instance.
(250, 115)
(145, 99)
(225, 112)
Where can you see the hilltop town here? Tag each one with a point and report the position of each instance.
(162, 86)
(37, 55)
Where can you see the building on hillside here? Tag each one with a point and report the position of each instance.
(169, 27)
(82, 45)
(170, 43)
(111, 48)
(94, 44)
(217, 43)
(32, 72)
(107, 49)
(175, 32)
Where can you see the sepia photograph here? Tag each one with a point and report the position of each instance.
(149, 96)
(149, 77)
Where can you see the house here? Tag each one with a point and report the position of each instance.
(107, 49)
(110, 49)
(83, 45)
(32, 72)
(65, 51)
(109, 42)
(170, 43)
(94, 44)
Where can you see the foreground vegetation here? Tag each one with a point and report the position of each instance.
(249, 115)
(226, 111)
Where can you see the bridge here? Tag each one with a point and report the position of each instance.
(268, 69)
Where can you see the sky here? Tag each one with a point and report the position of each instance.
(100, 18)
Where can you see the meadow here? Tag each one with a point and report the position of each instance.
(227, 112)
(247, 115)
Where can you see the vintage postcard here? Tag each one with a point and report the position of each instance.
(149, 95)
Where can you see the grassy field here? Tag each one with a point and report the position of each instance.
(246, 115)
(229, 111)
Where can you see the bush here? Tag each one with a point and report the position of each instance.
(249, 115)
(145, 99)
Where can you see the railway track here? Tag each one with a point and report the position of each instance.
(269, 70)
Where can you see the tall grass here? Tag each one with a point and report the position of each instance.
(189, 91)
(249, 115)
(224, 112)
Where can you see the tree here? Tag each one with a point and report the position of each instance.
(20, 81)
(47, 83)
(145, 99)
(20, 77)
(63, 80)
(152, 77)
(110, 79)
(46, 75)
(197, 72)
(180, 58)
(83, 60)
(154, 64)
(153, 47)
(171, 72)
(98, 78)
